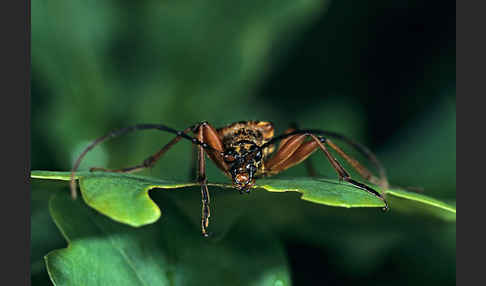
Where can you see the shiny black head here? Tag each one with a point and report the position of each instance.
(244, 159)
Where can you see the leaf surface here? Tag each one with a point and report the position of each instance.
(170, 252)
(124, 198)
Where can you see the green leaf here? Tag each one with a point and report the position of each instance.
(124, 198)
(418, 203)
(170, 252)
(44, 235)
(323, 191)
(422, 199)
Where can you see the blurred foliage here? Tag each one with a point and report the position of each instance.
(382, 73)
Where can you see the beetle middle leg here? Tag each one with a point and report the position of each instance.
(120, 132)
(147, 163)
(362, 170)
(381, 180)
(296, 149)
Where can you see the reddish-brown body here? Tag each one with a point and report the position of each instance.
(246, 150)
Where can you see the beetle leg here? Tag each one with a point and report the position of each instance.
(298, 154)
(285, 151)
(120, 132)
(291, 154)
(205, 212)
(344, 174)
(308, 163)
(208, 135)
(362, 170)
(147, 163)
(381, 181)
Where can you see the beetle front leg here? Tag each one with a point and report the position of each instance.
(208, 135)
(202, 180)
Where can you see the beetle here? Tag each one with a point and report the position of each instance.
(245, 151)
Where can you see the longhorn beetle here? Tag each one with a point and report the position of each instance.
(245, 151)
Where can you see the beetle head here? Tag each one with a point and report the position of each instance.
(244, 159)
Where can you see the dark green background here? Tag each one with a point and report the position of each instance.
(381, 72)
